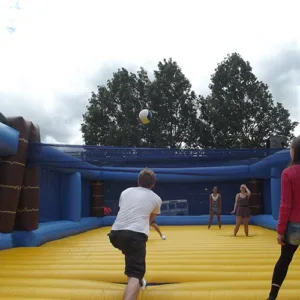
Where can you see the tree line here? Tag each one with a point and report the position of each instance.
(238, 112)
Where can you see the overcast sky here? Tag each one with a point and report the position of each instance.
(53, 53)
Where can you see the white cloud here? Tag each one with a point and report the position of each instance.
(61, 50)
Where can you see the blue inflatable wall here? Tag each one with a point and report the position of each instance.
(65, 194)
(196, 193)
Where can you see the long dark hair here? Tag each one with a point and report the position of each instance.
(295, 145)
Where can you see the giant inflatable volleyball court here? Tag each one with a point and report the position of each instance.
(53, 227)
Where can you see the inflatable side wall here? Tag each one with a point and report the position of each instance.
(27, 216)
(17, 205)
(23, 157)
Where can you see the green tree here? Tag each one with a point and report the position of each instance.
(174, 105)
(111, 116)
(240, 111)
(112, 112)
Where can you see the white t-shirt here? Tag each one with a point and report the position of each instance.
(136, 205)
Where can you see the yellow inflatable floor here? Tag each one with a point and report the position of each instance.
(197, 262)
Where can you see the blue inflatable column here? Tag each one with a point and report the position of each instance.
(275, 191)
(71, 200)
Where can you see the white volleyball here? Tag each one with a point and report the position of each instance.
(145, 116)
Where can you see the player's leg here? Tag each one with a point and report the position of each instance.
(135, 266)
(132, 289)
(157, 229)
(281, 269)
(211, 216)
(246, 226)
(237, 225)
(115, 238)
(219, 219)
(292, 242)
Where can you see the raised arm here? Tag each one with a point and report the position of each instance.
(248, 192)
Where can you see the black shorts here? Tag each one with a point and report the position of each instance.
(133, 246)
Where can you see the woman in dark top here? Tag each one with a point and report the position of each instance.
(242, 209)
(215, 204)
(288, 228)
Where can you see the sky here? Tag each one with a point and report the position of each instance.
(54, 53)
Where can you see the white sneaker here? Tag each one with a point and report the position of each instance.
(163, 237)
(144, 284)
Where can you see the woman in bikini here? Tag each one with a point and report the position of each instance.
(215, 205)
(242, 209)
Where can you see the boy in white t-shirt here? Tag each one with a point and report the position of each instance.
(129, 234)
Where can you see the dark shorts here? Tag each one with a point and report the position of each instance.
(215, 210)
(243, 211)
(133, 246)
(292, 235)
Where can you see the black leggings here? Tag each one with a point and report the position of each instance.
(282, 265)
